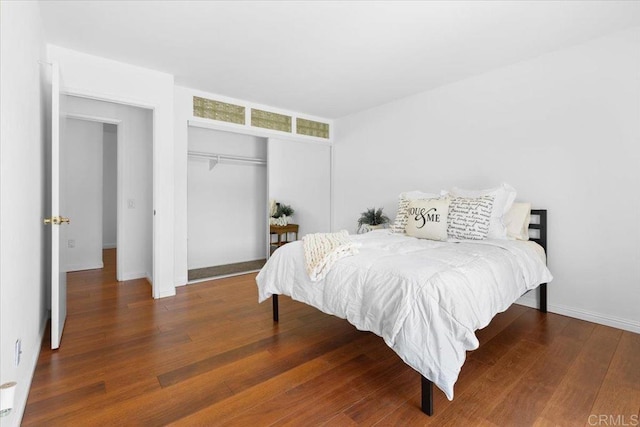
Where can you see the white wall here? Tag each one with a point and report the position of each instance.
(227, 212)
(81, 180)
(300, 176)
(135, 248)
(109, 186)
(562, 128)
(23, 294)
(110, 80)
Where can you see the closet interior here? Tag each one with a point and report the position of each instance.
(227, 203)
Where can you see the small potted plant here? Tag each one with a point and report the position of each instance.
(372, 219)
(282, 214)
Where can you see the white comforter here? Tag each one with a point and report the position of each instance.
(424, 298)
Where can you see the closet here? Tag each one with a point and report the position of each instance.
(226, 203)
(231, 178)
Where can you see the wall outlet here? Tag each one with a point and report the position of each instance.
(71, 243)
(18, 351)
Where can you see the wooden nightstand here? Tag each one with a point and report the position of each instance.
(283, 230)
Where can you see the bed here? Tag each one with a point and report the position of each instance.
(425, 298)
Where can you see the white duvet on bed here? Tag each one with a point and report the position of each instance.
(424, 298)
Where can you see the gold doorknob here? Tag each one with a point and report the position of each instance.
(57, 220)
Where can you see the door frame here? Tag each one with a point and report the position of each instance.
(156, 292)
(120, 178)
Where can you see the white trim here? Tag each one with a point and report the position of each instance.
(89, 118)
(169, 293)
(133, 276)
(155, 197)
(120, 202)
(182, 280)
(109, 246)
(528, 301)
(267, 209)
(208, 279)
(82, 267)
(20, 400)
(331, 187)
(104, 97)
(614, 322)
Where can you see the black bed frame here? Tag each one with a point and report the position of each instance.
(426, 385)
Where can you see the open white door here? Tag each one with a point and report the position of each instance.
(56, 220)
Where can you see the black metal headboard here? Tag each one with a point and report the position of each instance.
(541, 226)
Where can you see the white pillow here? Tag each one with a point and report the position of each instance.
(517, 221)
(403, 205)
(469, 218)
(504, 195)
(427, 219)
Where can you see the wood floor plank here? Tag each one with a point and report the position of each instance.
(527, 399)
(341, 397)
(397, 390)
(212, 355)
(237, 404)
(575, 395)
(472, 406)
(499, 323)
(68, 401)
(303, 396)
(619, 395)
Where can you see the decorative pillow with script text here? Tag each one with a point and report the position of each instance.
(400, 223)
(469, 218)
(504, 196)
(427, 219)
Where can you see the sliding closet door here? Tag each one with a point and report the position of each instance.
(300, 176)
(227, 200)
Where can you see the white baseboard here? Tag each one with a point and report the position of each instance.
(109, 246)
(208, 279)
(169, 293)
(132, 276)
(614, 322)
(181, 281)
(530, 300)
(81, 267)
(20, 399)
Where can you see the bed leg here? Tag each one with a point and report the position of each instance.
(427, 396)
(543, 298)
(274, 299)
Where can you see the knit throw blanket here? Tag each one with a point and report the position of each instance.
(322, 250)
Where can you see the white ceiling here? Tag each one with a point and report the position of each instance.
(327, 58)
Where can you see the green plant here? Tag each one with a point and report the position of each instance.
(283, 209)
(372, 216)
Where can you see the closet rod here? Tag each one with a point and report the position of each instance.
(214, 158)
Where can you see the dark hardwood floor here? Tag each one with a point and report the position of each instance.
(211, 355)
